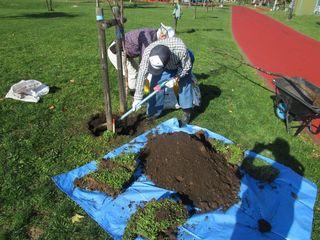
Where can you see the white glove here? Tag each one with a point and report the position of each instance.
(135, 106)
(171, 83)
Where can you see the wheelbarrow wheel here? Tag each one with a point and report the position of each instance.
(281, 110)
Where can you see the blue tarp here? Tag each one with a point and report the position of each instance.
(287, 203)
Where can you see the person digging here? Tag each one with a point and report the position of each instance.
(135, 43)
(163, 60)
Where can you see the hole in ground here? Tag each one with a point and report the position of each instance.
(133, 125)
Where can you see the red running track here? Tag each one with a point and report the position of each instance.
(273, 46)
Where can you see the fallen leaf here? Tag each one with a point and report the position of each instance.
(76, 218)
(51, 107)
(35, 233)
(72, 80)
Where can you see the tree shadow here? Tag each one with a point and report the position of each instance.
(244, 76)
(208, 93)
(193, 30)
(42, 15)
(140, 5)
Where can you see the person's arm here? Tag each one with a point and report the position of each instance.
(143, 70)
(185, 65)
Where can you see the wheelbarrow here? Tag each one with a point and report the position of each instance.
(297, 100)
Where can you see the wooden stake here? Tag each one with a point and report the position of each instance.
(119, 36)
(124, 51)
(104, 66)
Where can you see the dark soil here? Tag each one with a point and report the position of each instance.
(264, 226)
(189, 165)
(133, 125)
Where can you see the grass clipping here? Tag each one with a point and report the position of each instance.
(112, 176)
(157, 220)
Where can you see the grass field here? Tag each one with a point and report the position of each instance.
(38, 141)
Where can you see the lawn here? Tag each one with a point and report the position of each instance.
(38, 141)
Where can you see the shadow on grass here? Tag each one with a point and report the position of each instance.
(193, 30)
(244, 76)
(54, 89)
(140, 5)
(42, 15)
(208, 93)
(201, 76)
(280, 149)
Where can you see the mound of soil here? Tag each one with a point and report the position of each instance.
(189, 165)
(133, 125)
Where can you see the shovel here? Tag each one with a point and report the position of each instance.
(156, 89)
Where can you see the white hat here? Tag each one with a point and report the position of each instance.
(169, 31)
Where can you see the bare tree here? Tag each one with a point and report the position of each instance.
(49, 4)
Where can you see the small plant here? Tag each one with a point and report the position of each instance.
(156, 220)
(260, 170)
(232, 152)
(112, 175)
(108, 135)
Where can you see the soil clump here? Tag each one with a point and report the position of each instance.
(189, 165)
(112, 176)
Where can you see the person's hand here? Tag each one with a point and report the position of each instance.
(172, 82)
(135, 106)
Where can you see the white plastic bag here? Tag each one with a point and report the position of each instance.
(27, 91)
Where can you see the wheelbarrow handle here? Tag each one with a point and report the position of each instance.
(156, 89)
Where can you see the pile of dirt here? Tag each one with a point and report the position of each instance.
(133, 125)
(189, 165)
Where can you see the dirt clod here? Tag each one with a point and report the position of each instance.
(264, 226)
(193, 169)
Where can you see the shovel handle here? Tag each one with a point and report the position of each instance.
(144, 100)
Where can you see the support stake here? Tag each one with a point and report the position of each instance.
(104, 65)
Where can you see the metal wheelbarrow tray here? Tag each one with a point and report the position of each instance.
(298, 100)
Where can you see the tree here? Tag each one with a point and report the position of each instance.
(49, 4)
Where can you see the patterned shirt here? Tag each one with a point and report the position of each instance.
(179, 60)
(137, 40)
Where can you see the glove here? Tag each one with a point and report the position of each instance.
(171, 83)
(135, 106)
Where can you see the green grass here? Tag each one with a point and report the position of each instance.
(308, 25)
(145, 223)
(121, 174)
(232, 152)
(37, 143)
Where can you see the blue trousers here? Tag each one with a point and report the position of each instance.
(155, 104)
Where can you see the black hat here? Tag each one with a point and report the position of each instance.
(158, 59)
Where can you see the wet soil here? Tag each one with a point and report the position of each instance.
(133, 125)
(189, 165)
